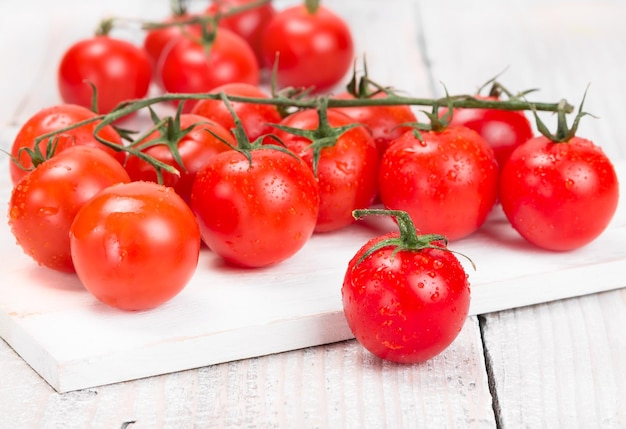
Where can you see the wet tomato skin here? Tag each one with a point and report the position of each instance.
(54, 118)
(135, 246)
(559, 196)
(44, 203)
(446, 180)
(408, 306)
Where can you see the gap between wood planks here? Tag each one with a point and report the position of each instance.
(491, 381)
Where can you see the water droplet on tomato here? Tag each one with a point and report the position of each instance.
(420, 285)
(432, 274)
(434, 296)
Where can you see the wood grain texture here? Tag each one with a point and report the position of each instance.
(337, 385)
(560, 364)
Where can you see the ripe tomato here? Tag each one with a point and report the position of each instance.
(255, 118)
(44, 202)
(156, 41)
(346, 171)
(315, 49)
(559, 196)
(504, 130)
(119, 70)
(405, 302)
(187, 66)
(447, 181)
(55, 118)
(249, 24)
(256, 212)
(135, 245)
(382, 121)
(194, 148)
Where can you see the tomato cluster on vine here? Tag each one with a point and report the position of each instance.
(254, 175)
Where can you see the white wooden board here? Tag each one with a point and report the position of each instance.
(226, 314)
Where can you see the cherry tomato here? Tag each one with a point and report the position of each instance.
(405, 303)
(346, 171)
(195, 148)
(44, 202)
(383, 122)
(559, 196)
(255, 118)
(504, 130)
(249, 24)
(119, 70)
(255, 212)
(315, 49)
(135, 245)
(188, 67)
(52, 119)
(447, 181)
(156, 41)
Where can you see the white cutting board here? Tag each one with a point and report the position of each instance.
(226, 314)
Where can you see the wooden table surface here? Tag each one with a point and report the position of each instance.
(557, 364)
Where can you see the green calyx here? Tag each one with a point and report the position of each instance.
(563, 132)
(408, 240)
(244, 146)
(325, 135)
(312, 6)
(170, 134)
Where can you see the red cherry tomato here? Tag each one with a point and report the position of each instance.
(447, 181)
(405, 304)
(383, 122)
(559, 196)
(119, 70)
(315, 49)
(256, 212)
(194, 148)
(347, 171)
(135, 245)
(156, 41)
(255, 118)
(44, 203)
(54, 118)
(504, 130)
(249, 24)
(188, 67)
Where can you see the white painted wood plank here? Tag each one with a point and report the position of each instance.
(560, 364)
(338, 385)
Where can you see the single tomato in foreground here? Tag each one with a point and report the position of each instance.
(559, 195)
(446, 180)
(135, 246)
(256, 211)
(405, 297)
(118, 69)
(44, 203)
(52, 119)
